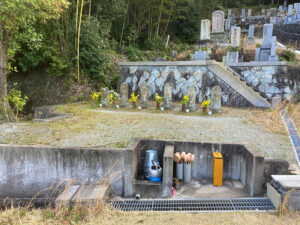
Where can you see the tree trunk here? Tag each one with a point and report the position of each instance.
(5, 109)
(159, 18)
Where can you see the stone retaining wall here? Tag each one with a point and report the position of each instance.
(181, 75)
(271, 80)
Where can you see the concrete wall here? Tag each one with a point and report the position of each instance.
(240, 162)
(181, 75)
(271, 80)
(26, 170)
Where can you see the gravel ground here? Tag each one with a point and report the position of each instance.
(96, 127)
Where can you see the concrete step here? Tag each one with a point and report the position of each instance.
(239, 86)
(83, 194)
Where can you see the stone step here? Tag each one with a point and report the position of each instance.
(83, 194)
(239, 86)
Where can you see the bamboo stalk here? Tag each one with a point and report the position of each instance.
(78, 40)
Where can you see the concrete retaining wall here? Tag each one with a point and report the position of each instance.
(26, 170)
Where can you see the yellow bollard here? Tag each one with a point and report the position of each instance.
(217, 170)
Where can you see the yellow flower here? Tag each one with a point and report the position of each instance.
(185, 99)
(205, 103)
(158, 98)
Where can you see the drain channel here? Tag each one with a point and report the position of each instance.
(196, 205)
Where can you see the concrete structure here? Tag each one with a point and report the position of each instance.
(283, 186)
(27, 170)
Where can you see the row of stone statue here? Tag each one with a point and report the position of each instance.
(215, 98)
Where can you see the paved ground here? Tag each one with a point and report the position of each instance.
(95, 127)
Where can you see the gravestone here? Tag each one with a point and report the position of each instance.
(168, 104)
(251, 31)
(144, 90)
(257, 54)
(280, 9)
(227, 24)
(218, 21)
(191, 105)
(232, 57)
(216, 96)
(105, 93)
(263, 11)
(229, 13)
(235, 36)
(205, 30)
(273, 56)
(250, 40)
(290, 10)
(243, 13)
(285, 6)
(124, 94)
(249, 12)
(200, 55)
(267, 36)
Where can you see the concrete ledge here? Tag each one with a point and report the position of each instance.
(257, 64)
(168, 63)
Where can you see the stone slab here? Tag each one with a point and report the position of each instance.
(91, 193)
(273, 195)
(65, 198)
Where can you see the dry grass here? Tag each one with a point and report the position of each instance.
(294, 112)
(269, 120)
(104, 216)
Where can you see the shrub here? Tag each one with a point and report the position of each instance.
(288, 56)
(133, 53)
(16, 100)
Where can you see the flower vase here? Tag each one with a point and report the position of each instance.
(157, 105)
(134, 105)
(204, 110)
(183, 107)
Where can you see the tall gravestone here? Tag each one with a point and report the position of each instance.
(267, 35)
(168, 103)
(144, 90)
(280, 9)
(251, 31)
(205, 30)
(124, 94)
(249, 12)
(216, 97)
(192, 98)
(218, 21)
(227, 25)
(273, 56)
(105, 93)
(235, 36)
(243, 15)
(250, 40)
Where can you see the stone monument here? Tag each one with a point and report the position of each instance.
(144, 90)
(124, 94)
(216, 96)
(205, 30)
(105, 93)
(218, 21)
(268, 47)
(218, 35)
(235, 36)
(191, 105)
(168, 103)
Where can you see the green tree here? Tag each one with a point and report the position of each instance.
(15, 16)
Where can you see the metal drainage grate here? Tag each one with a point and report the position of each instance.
(196, 205)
